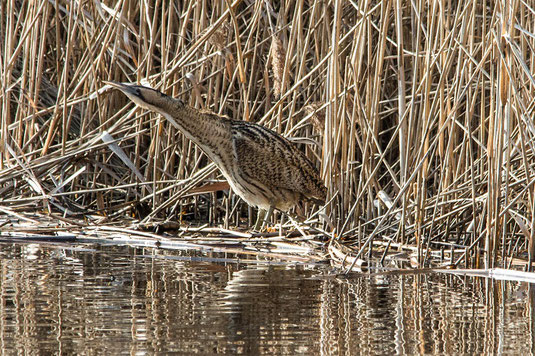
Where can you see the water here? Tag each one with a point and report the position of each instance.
(120, 300)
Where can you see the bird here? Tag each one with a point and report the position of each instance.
(262, 167)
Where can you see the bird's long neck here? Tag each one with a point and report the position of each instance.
(208, 130)
(211, 132)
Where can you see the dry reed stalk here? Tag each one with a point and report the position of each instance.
(431, 108)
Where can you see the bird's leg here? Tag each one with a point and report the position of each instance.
(259, 219)
(262, 217)
(267, 217)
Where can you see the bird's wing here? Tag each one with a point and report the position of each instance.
(270, 159)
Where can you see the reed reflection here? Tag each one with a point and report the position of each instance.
(90, 299)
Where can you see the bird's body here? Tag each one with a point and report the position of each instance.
(261, 166)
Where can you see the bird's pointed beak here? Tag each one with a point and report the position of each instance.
(144, 97)
(127, 89)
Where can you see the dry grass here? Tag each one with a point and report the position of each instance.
(421, 119)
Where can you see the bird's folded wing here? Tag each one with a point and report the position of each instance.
(273, 161)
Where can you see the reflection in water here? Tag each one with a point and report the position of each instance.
(102, 299)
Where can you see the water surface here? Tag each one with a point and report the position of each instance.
(91, 299)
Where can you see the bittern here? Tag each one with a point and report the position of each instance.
(261, 166)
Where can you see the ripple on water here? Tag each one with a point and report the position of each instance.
(110, 299)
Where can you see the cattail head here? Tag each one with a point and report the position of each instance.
(277, 64)
(219, 38)
(316, 111)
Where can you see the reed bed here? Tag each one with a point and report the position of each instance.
(418, 114)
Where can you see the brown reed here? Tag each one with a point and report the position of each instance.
(426, 135)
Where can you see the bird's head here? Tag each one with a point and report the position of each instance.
(147, 98)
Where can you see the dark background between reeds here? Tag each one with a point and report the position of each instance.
(418, 114)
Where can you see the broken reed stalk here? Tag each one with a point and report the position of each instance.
(431, 108)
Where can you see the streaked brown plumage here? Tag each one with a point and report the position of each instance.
(261, 166)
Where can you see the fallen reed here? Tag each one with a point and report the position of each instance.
(418, 114)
